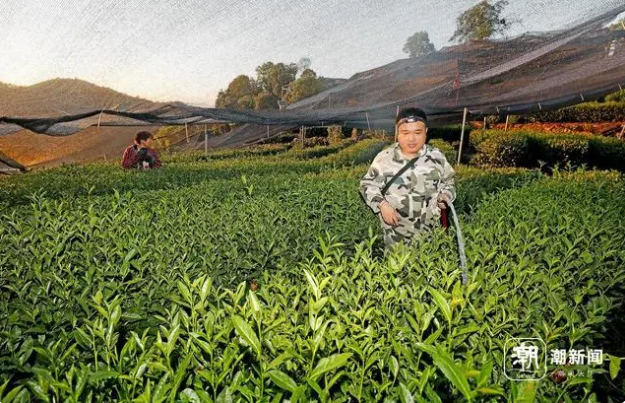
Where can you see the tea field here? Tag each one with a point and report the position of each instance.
(258, 275)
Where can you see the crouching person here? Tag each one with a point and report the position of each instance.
(140, 155)
(408, 183)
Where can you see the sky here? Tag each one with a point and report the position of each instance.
(187, 50)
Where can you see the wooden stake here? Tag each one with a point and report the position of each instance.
(186, 131)
(507, 118)
(205, 139)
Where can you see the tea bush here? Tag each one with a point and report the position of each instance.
(500, 149)
(137, 286)
(450, 152)
(529, 149)
(611, 111)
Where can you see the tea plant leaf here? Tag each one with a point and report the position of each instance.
(485, 372)
(394, 365)
(491, 391)
(282, 380)
(180, 374)
(526, 392)
(245, 331)
(102, 375)
(225, 396)
(404, 394)
(254, 301)
(189, 395)
(9, 397)
(579, 381)
(615, 366)
(449, 368)
(442, 304)
(327, 364)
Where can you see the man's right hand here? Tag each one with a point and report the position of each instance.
(389, 215)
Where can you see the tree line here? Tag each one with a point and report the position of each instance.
(274, 83)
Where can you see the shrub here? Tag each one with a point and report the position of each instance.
(606, 153)
(526, 148)
(616, 97)
(450, 152)
(500, 149)
(588, 112)
(558, 149)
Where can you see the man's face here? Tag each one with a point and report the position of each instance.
(147, 143)
(411, 137)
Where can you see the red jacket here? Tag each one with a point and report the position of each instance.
(132, 159)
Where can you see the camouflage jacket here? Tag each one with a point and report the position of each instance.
(416, 191)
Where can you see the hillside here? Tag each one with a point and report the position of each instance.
(62, 96)
(65, 97)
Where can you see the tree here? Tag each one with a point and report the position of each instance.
(481, 22)
(245, 102)
(266, 101)
(418, 45)
(265, 91)
(303, 64)
(306, 86)
(241, 87)
(272, 77)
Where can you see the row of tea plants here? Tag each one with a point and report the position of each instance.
(261, 278)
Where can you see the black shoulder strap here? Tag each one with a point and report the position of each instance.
(398, 174)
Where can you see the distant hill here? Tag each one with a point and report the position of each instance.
(62, 96)
(59, 97)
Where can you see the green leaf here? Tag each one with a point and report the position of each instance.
(180, 373)
(8, 398)
(184, 291)
(394, 365)
(299, 392)
(225, 396)
(254, 301)
(527, 393)
(102, 375)
(189, 395)
(404, 394)
(433, 396)
(615, 366)
(282, 380)
(448, 367)
(312, 282)
(245, 331)
(491, 391)
(442, 304)
(484, 376)
(329, 363)
(579, 380)
(161, 389)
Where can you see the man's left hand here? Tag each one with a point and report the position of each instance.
(443, 199)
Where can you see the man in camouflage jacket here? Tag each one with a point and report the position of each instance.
(413, 202)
